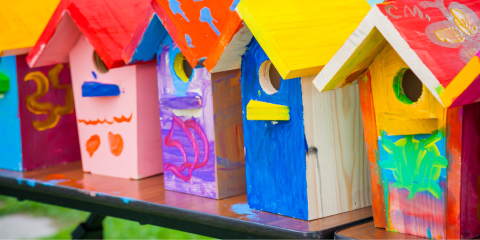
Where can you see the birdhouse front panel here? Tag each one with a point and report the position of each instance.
(412, 158)
(111, 115)
(275, 143)
(187, 123)
(45, 111)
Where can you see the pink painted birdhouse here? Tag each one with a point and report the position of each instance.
(201, 113)
(37, 115)
(117, 112)
(418, 68)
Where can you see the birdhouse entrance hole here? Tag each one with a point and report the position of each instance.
(99, 64)
(182, 67)
(270, 78)
(407, 86)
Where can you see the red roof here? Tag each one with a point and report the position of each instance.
(108, 25)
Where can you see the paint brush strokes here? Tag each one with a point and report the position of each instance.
(243, 209)
(98, 121)
(175, 7)
(206, 16)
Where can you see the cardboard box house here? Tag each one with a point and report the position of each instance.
(417, 66)
(201, 113)
(304, 151)
(37, 114)
(116, 106)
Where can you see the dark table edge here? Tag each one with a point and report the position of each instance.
(338, 236)
(155, 214)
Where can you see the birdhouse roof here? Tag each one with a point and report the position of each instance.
(108, 25)
(22, 22)
(299, 37)
(439, 40)
(193, 25)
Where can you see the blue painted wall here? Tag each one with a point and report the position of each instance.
(275, 152)
(10, 138)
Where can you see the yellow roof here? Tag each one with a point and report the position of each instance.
(22, 22)
(301, 36)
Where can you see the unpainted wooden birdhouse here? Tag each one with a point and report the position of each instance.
(201, 113)
(37, 114)
(417, 65)
(116, 106)
(304, 151)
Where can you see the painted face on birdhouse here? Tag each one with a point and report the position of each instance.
(106, 107)
(273, 131)
(186, 113)
(411, 140)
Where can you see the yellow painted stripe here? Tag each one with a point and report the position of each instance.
(461, 82)
(393, 125)
(257, 110)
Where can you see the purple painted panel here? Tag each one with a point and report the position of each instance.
(47, 115)
(186, 113)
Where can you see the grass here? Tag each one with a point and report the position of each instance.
(68, 219)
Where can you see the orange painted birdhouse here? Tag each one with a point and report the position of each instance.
(417, 66)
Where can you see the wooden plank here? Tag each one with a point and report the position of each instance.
(369, 231)
(337, 155)
(371, 144)
(148, 196)
(229, 151)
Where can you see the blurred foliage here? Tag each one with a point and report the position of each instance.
(68, 219)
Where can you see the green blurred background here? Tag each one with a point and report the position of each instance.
(66, 220)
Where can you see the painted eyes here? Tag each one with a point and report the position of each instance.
(115, 142)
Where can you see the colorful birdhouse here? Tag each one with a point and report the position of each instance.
(201, 113)
(417, 64)
(37, 114)
(117, 115)
(304, 153)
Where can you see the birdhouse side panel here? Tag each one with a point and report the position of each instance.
(186, 112)
(229, 144)
(371, 146)
(336, 154)
(11, 140)
(275, 156)
(412, 148)
(106, 107)
(470, 177)
(148, 128)
(47, 115)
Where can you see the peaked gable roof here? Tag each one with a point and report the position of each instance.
(108, 26)
(435, 38)
(193, 25)
(22, 22)
(298, 36)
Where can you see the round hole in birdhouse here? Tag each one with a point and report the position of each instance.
(407, 86)
(99, 64)
(270, 79)
(182, 67)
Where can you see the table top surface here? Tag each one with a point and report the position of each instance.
(149, 195)
(369, 231)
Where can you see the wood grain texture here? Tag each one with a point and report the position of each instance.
(337, 167)
(454, 132)
(369, 231)
(95, 188)
(301, 46)
(229, 152)
(371, 142)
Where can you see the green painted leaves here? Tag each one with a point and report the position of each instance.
(4, 83)
(416, 164)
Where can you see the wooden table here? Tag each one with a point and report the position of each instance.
(369, 231)
(147, 202)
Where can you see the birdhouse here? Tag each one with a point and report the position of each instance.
(200, 113)
(117, 114)
(417, 66)
(304, 150)
(37, 113)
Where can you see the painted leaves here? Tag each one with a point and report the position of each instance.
(416, 164)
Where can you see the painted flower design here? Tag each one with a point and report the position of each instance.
(416, 164)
